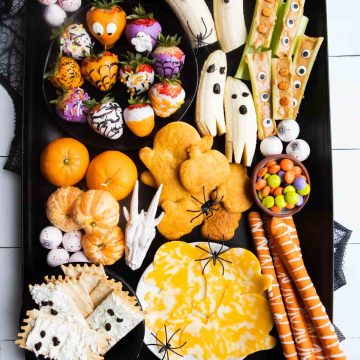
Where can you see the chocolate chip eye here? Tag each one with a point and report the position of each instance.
(111, 312)
(295, 6)
(305, 54)
(301, 70)
(222, 70)
(297, 84)
(119, 320)
(245, 94)
(267, 122)
(107, 327)
(44, 303)
(42, 333)
(217, 89)
(234, 96)
(98, 28)
(261, 76)
(294, 102)
(211, 68)
(38, 346)
(55, 341)
(53, 312)
(290, 23)
(243, 110)
(264, 96)
(51, 303)
(285, 41)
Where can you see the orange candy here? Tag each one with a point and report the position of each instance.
(297, 170)
(275, 209)
(289, 177)
(260, 184)
(262, 172)
(274, 169)
(265, 191)
(271, 163)
(278, 191)
(290, 206)
(286, 164)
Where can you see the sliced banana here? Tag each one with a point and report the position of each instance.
(241, 123)
(230, 24)
(209, 114)
(196, 20)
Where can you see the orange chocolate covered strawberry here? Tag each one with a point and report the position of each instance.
(101, 70)
(106, 21)
(65, 74)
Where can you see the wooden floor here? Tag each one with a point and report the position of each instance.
(344, 52)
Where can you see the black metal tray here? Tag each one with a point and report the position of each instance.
(314, 223)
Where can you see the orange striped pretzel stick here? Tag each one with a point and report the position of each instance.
(292, 260)
(293, 306)
(274, 294)
(319, 353)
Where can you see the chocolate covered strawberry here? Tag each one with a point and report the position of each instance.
(136, 73)
(167, 96)
(139, 117)
(169, 58)
(65, 73)
(142, 30)
(70, 105)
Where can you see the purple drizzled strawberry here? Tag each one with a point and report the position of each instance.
(169, 59)
(70, 105)
(142, 30)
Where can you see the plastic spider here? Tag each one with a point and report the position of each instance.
(200, 38)
(214, 256)
(207, 207)
(166, 348)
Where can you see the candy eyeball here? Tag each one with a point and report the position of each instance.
(71, 241)
(285, 41)
(305, 53)
(264, 96)
(79, 256)
(50, 237)
(111, 28)
(57, 257)
(54, 15)
(290, 23)
(301, 70)
(299, 149)
(294, 102)
(98, 29)
(297, 84)
(288, 130)
(267, 122)
(295, 6)
(261, 76)
(271, 145)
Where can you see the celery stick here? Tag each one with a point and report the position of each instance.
(301, 32)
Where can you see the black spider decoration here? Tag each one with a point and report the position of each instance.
(200, 38)
(166, 348)
(214, 256)
(207, 207)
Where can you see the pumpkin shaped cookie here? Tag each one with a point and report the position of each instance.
(104, 249)
(59, 207)
(205, 168)
(96, 211)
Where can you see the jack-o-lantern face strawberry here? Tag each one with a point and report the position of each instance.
(106, 21)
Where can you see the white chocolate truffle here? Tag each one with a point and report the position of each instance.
(70, 5)
(79, 257)
(288, 130)
(54, 15)
(50, 237)
(299, 149)
(71, 241)
(57, 257)
(271, 145)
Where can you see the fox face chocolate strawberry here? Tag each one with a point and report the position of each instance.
(142, 30)
(106, 21)
(65, 74)
(169, 58)
(75, 41)
(70, 105)
(139, 117)
(105, 117)
(166, 97)
(101, 70)
(136, 73)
